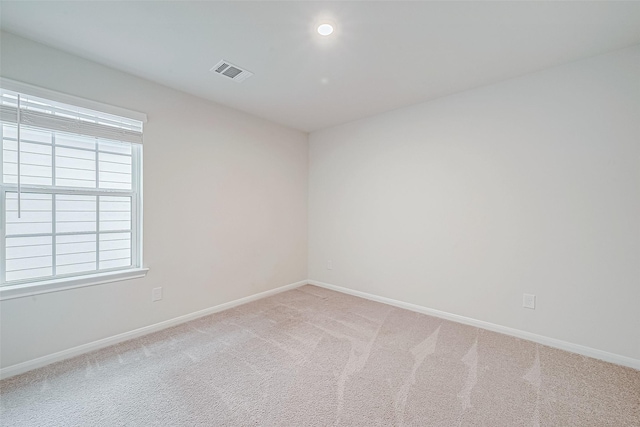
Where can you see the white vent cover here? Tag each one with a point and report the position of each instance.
(235, 73)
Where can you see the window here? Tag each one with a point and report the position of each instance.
(70, 191)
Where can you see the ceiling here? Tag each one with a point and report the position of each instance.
(382, 55)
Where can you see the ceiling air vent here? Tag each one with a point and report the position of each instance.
(235, 73)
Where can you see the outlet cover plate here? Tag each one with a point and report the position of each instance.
(156, 294)
(529, 301)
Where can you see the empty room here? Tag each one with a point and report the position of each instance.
(305, 213)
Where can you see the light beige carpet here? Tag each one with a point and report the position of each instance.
(313, 357)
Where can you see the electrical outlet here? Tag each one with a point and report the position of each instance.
(529, 301)
(156, 294)
(329, 265)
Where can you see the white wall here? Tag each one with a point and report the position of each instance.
(225, 208)
(467, 202)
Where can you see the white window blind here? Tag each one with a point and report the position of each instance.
(70, 190)
(56, 116)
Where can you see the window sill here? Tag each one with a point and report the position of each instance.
(29, 289)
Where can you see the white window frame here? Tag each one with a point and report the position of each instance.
(30, 287)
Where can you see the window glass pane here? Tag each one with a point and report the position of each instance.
(115, 158)
(114, 147)
(35, 162)
(111, 241)
(9, 131)
(28, 134)
(75, 254)
(75, 168)
(69, 244)
(86, 267)
(115, 180)
(28, 257)
(76, 258)
(75, 141)
(113, 254)
(115, 263)
(35, 216)
(67, 177)
(115, 171)
(23, 247)
(75, 213)
(115, 250)
(115, 213)
(121, 168)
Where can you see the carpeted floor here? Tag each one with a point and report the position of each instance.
(313, 357)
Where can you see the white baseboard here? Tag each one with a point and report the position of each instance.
(540, 339)
(20, 368)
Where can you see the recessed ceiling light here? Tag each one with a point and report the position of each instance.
(325, 29)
